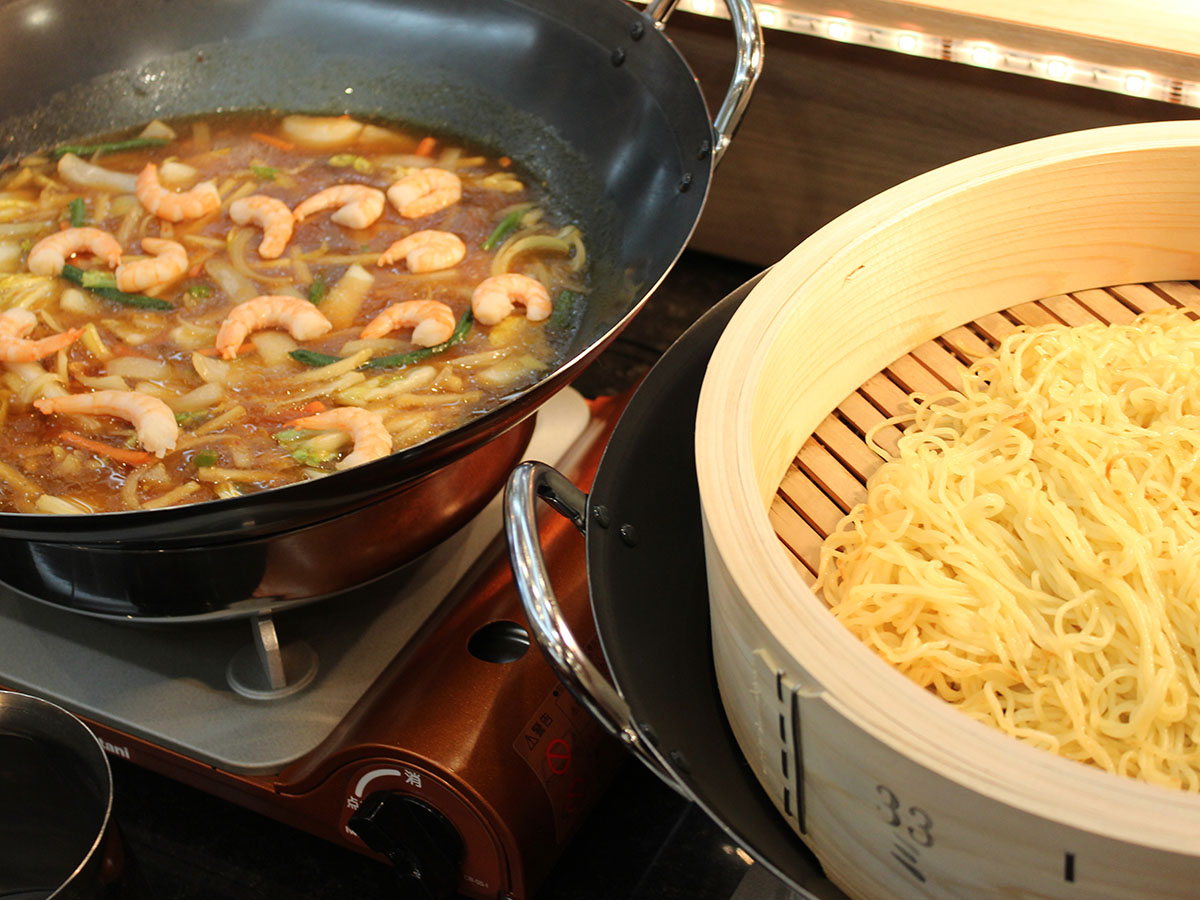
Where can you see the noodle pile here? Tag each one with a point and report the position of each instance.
(1032, 553)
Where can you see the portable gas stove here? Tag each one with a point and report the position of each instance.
(407, 719)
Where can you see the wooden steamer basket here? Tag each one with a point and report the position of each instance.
(898, 794)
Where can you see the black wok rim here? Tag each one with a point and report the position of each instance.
(650, 601)
(308, 502)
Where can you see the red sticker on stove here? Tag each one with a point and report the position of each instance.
(560, 742)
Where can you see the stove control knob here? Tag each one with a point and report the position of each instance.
(422, 844)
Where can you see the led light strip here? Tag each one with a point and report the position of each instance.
(1133, 82)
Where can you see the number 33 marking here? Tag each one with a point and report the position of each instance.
(919, 825)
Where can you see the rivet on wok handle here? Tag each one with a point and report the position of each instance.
(746, 69)
(528, 482)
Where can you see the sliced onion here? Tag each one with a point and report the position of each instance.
(203, 397)
(137, 367)
(84, 174)
(158, 129)
(235, 285)
(214, 371)
(177, 174)
(321, 132)
(10, 256)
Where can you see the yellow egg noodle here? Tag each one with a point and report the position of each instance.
(1032, 552)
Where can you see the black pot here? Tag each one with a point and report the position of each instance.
(57, 838)
(646, 578)
(591, 96)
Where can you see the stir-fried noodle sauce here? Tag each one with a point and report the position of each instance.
(231, 303)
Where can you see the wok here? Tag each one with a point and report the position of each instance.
(649, 594)
(590, 96)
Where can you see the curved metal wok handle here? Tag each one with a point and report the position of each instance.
(528, 482)
(746, 69)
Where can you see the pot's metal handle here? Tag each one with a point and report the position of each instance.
(528, 482)
(746, 68)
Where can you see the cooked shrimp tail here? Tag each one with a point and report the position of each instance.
(426, 251)
(302, 320)
(495, 297)
(169, 261)
(269, 214)
(175, 206)
(15, 324)
(358, 205)
(371, 438)
(50, 254)
(153, 420)
(431, 320)
(424, 192)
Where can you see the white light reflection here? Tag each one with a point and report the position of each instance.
(983, 55)
(1054, 67)
(1058, 68)
(40, 15)
(769, 16)
(1136, 83)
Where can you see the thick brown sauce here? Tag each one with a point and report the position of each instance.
(230, 444)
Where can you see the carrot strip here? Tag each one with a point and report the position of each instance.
(120, 454)
(425, 147)
(312, 408)
(271, 140)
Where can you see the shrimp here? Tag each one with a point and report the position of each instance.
(359, 205)
(175, 206)
(269, 214)
(50, 254)
(425, 191)
(154, 421)
(371, 439)
(426, 251)
(494, 297)
(15, 324)
(302, 320)
(169, 261)
(432, 321)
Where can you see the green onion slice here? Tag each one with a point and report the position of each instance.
(316, 290)
(313, 357)
(396, 360)
(407, 359)
(501, 231)
(78, 276)
(78, 212)
(563, 307)
(108, 146)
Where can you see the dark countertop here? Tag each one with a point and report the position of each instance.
(641, 841)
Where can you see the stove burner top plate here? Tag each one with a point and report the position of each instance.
(167, 684)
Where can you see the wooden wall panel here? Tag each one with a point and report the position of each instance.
(832, 124)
